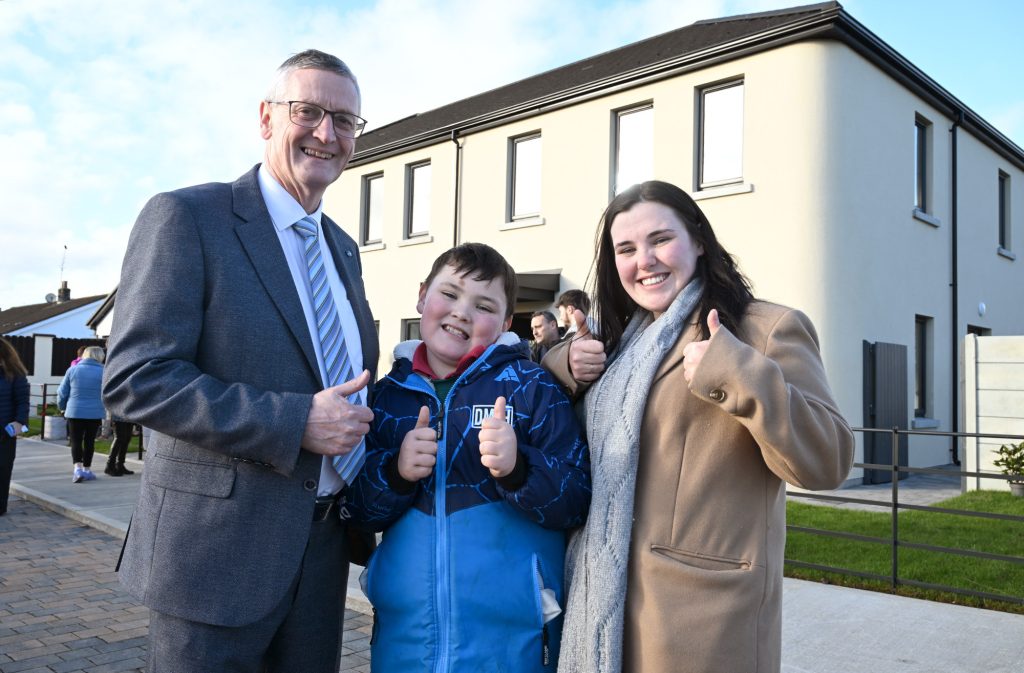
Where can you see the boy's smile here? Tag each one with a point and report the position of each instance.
(459, 313)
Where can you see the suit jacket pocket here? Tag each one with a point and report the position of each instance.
(700, 559)
(215, 480)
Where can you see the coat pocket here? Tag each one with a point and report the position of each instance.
(215, 480)
(700, 559)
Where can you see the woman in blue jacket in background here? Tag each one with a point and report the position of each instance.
(80, 400)
(13, 413)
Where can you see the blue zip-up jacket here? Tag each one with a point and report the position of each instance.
(463, 591)
(79, 392)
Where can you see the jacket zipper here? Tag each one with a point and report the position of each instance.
(545, 652)
(441, 592)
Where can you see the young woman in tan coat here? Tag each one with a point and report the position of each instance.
(709, 401)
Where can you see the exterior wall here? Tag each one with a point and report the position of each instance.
(103, 328)
(886, 265)
(823, 220)
(993, 402)
(70, 325)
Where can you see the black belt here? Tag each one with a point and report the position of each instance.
(324, 505)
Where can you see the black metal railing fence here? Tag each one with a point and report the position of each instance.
(893, 541)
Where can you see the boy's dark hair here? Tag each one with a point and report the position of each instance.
(485, 263)
(575, 298)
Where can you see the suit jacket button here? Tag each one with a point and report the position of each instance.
(348, 253)
(309, 485)
(718, 395)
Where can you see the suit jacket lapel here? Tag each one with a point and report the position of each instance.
(262, 245)
(346, 260)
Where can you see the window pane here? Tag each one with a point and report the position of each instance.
(526, 180)
(1004, 211)
(419, 218)
(634, 160)
(410, 329)
(374, 226)
(920, 166)
(722, 135)
(921, 357)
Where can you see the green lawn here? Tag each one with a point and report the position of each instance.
(961, 532)
(102, 445)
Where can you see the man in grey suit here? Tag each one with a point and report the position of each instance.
(241, 325)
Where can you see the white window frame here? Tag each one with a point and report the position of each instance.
(371, 217)
(630, 136)
(718, 134)
(1005, 230)
(519, 180)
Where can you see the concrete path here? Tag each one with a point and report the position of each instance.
(44, 591)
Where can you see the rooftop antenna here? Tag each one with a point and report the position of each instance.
(63, 258)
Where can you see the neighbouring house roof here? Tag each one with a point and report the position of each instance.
(100, 313)
(20, 317)
(688, 48)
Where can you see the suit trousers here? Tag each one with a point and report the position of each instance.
(303, 633)
(122, 437)
(7, 446)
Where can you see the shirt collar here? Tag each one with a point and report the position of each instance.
(283, 208)
(420, 365)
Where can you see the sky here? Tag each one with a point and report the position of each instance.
(107, 102)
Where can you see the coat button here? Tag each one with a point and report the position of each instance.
(309, 485)
(718, 395)
(348, 253)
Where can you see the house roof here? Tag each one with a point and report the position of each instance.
(697, 45)
(22, 316)
(102, 310)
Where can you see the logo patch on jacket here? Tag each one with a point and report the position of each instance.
(482, 411)
(507, 374)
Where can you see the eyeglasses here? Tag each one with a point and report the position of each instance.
(308, 115)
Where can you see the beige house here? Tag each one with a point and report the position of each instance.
(846, 181)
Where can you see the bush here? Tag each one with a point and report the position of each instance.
(1011, 461)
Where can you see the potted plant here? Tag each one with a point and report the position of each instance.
(1011, 463)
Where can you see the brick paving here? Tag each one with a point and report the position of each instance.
(63, 611)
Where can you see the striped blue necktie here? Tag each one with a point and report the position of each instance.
(332, 340)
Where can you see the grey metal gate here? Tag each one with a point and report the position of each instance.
(885, 406)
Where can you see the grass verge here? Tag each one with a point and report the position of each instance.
(947, 530)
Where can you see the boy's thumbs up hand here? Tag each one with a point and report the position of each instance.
(498, 445)
(693, 352)
(418, 454)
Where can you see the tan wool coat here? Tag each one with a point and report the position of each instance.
(704, 586)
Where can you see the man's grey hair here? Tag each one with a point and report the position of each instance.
(311, 59)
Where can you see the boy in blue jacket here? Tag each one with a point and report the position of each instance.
(476, 466)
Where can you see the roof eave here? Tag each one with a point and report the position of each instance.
(833, 23)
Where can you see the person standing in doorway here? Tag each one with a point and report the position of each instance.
(545, 334)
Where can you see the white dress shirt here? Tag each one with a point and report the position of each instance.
(284, 212)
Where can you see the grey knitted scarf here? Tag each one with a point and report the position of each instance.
(595, 566)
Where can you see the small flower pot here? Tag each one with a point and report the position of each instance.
(1017, 489)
